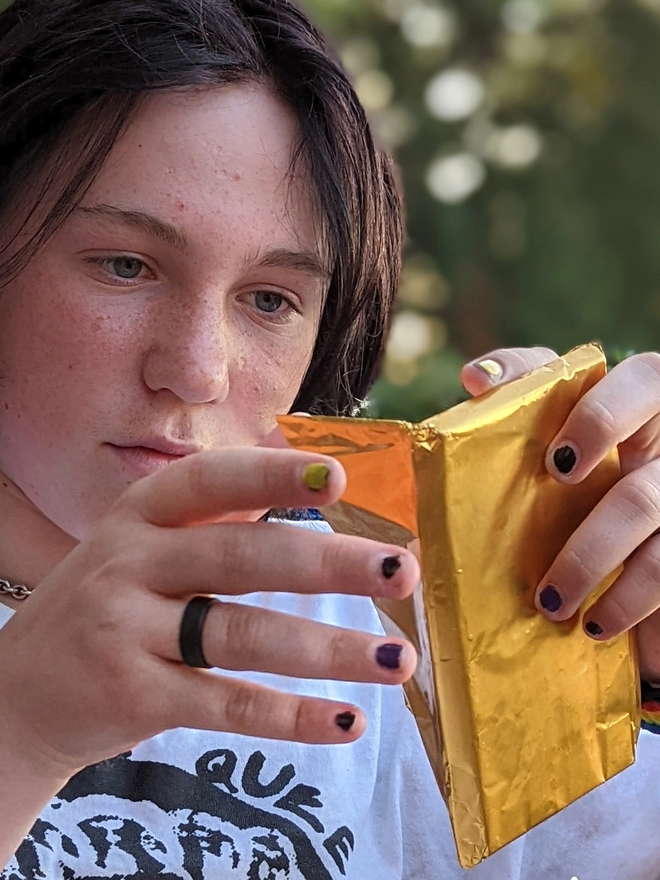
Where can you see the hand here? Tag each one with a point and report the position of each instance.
(622, 410)
(92, 658)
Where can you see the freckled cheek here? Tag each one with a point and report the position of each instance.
(268, 370)
(73, 357)
(269, 376)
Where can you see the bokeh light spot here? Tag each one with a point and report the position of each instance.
(517, 146)
(414, 335)
(374, 89)
(452, 179)
(522, 16)
(359, 55)
(429, 26)
(454, 95)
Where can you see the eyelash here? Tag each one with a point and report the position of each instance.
(106, 262)
(273, 317)
(276, 317)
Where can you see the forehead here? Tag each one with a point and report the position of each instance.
(217, 159)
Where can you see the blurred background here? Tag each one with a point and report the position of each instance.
(528, 138)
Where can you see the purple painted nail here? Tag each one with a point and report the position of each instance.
(345, 720)
(565, 459)
(389, 656)
(550, 599)
(391, 564)
(593, 629)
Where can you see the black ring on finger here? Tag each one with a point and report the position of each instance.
(190, 632)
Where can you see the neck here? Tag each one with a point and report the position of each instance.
(30, 544)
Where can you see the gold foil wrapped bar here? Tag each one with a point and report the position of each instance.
(519, 716)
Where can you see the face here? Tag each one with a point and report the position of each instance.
(175, 311)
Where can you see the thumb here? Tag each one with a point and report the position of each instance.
(276, 439)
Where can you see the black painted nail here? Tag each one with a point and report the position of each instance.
(345, 720)
(389, 656)
(550, 599)
(565, 459)
(391, 564)
(593, 629)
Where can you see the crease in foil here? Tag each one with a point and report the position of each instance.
(519, 717)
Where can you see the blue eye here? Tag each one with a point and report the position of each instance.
(267, 301)
(127, 267)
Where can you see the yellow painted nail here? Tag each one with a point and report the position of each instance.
(491, 367)
(315, 476)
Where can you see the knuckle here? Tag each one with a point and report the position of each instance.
(96, 590)
(613, 615)
(334, 561)
(583, 568)
(642, 497)
(111, 579)
(272, 475)
(243, 709)
(243, 634)
(228, 555)
(526, 359)
(647, 561)
(602, 420)
(518, 362)
(302, 720)
(337, 648)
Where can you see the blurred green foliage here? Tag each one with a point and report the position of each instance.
(528, 137)
(527, 133)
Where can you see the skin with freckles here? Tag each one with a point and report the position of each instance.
(176, 312)
(146, 350)
(199, 330)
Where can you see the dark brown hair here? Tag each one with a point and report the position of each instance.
(79, 69)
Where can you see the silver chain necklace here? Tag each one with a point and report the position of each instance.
(16, 591)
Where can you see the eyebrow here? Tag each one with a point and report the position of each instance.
(139, 220)
(301, 261)
(276, 258)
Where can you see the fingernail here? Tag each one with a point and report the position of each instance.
(389, 656)
(491, 368)
(315, 476)
(565, 459)
(345, 720)
(550, 599)
(391, 564)
(593, 629)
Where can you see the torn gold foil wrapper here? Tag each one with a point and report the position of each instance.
(519, 716)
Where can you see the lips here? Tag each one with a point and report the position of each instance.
(149, 457)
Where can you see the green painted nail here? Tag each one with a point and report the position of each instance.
(316, 476)
(491, 368)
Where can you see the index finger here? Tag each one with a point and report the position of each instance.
(209, 486)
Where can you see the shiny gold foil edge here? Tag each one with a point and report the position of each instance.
(461, 759)
(452, 714)
(441, 730)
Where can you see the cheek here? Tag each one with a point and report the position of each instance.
(270, 374)
(58, 358)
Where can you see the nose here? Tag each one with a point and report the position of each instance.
(189, 355)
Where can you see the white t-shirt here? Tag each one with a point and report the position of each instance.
(212, 806)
